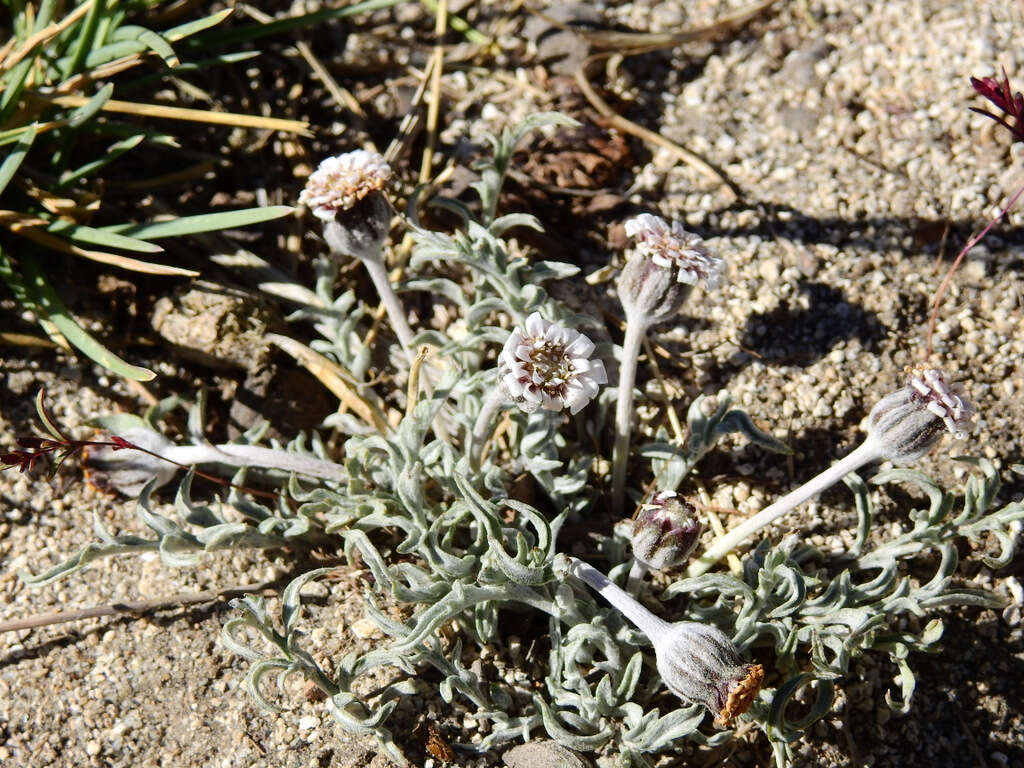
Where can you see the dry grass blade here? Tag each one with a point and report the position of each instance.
(413, 389)
(125, 262)
(10, 60)
(194, 115)
(25, 340)
(434, 108)
(192, 173)
(341, 96)
(332, 376)
(78, 82)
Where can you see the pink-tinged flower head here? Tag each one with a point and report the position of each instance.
(1009, 104)
(544, 365)
(672, 247)
(342, 181)
(909, 422)
(666, 531)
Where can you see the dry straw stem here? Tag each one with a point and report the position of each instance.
(342, 96)
(335, 378)
(434, 107)
(9, 60)
(26, 340)
(181, 113)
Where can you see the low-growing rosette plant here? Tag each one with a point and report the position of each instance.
(425, 492)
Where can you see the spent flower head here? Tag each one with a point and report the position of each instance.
(701, 665)
(342, 181)
(666, 531)
(697, 662)
(545, 365)
(908, 423)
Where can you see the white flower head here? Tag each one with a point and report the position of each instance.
(943, 399)
(342, 181)
(909, 422)
(545, 365)
(672, 247)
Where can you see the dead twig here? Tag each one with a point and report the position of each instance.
(138, 607)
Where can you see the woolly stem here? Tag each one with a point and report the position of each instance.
(635, 580)
(482, 425)
(866, 452)
(646, 621)
(396, 314)
(635, 332)
(234, 455)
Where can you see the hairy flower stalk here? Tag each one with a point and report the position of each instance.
(697, 662)
(542, 365)
(902, 427)
(347, 193)
(147, 455)
(657, 278)
(665, 533)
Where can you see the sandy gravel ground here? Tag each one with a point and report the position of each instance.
(845, 125)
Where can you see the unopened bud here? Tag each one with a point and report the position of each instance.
(701, 665)
(665, 532)
(908, 423)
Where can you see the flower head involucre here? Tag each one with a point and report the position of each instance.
(910, 421)
(699, 664)
(342, 181)
(665, 532)
(672, 247)
(545, 365)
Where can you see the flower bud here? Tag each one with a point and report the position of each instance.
(665, 265)
(346, 192)
(665, 531)
(545, 365)
(908, 423)
(700, 664)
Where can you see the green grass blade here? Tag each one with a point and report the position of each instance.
(82, 234)
(188, 67)
(84, 43)
(88, 110)
(193, 27)
(15, 80)
(151, 39)
(55, 311)
(206, 222)
(113, 152)
(13, 161)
